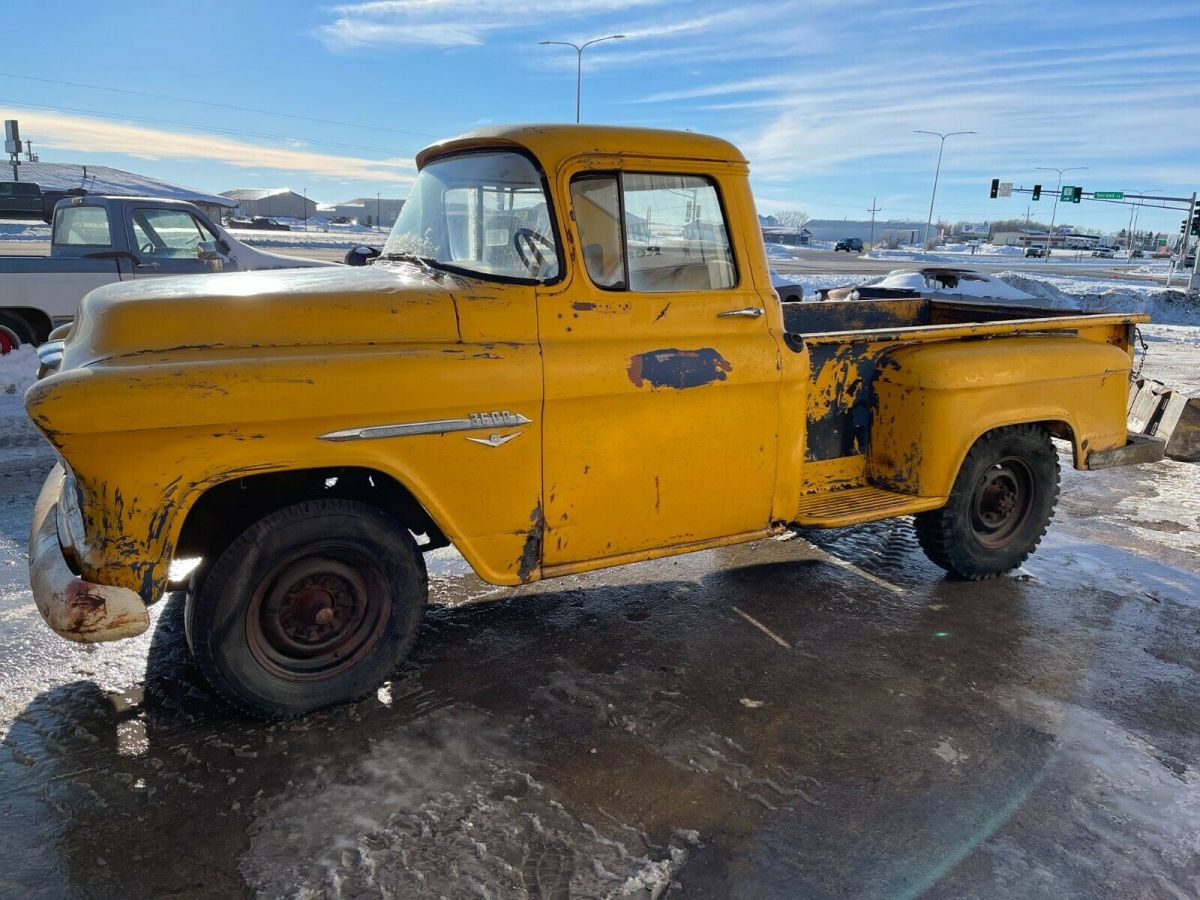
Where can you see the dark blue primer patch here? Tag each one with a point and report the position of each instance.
(679, 369)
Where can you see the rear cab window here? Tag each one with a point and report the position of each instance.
(82, 226)
(653, 232)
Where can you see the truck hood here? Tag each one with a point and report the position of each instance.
(379, 304)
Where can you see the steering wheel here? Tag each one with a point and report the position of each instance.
(147, 249)
(527, 238)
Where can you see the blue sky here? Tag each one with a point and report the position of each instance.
(823, 95)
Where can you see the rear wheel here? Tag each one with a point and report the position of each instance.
(314, 604)
(1000, 506)
(19, 327)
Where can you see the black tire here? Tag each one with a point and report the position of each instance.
(17, 324)
(999, 508)
(312, 605)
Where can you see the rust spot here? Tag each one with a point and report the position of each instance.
(583, 306)
(679, 369)
(531, 553)
(82, 602)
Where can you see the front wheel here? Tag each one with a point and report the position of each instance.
(313, 605)
(1000, 506)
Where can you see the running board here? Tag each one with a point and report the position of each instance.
(833, 509)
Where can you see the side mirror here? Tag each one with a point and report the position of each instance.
(361, 255)
(210, 252)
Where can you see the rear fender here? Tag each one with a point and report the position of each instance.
(933, 402)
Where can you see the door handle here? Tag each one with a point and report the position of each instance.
(749, 312)
(147, 265)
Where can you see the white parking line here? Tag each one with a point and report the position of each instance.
(764, 629)
(851, 567)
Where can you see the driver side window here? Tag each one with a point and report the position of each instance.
(166, 233)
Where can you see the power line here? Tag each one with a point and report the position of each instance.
(263, 112)
(202, 128)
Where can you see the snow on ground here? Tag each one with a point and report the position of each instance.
(961, 255)
(1052, 291)
(18, 370)
(24, 231)
(1098, 295)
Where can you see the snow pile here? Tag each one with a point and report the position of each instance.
(24, 231)
(1093, 295)
(979, 286)
(18, 370)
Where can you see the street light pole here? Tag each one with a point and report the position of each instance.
(936, 173)
(579, 48)
(1134, 208)
(1057, 192)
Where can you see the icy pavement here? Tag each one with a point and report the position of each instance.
(751, 722)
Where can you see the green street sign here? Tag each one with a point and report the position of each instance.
(1068, 192)
(1108, 195)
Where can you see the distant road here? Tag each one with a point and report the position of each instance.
(806, 261)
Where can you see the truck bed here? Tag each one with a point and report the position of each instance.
(850, 342)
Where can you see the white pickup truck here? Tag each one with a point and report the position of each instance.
(96, 240)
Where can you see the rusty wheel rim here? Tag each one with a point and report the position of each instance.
(1002, 502)
(318, 613)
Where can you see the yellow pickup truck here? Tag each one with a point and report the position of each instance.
(569, 356)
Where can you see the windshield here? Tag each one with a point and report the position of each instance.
(485, 213)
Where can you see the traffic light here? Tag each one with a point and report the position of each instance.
(1037, 192)
(1196, 222)
(1076, 195)
(1183, 229)
(995, 187)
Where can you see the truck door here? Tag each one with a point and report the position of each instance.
(662, 377)
(165, 241)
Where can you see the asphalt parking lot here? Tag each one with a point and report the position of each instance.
(825, 715)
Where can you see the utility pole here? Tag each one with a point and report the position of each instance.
(306, 209)
(936, 173)
(579, 48)
(874, 209)
(1057, 193)
(378, 224)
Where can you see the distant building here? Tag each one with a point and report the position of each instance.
(271, 202)
(837, 229)
(785, 234)
(57, 177)
(376, 212)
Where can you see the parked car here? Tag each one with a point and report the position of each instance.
(96, 240)
(1035, 251)
(850, 245)
(788, 291)
(308, 436)
(778, 251)
(20, 200)
(1104, 252)
(260, 223)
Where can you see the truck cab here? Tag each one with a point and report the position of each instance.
(568, 356)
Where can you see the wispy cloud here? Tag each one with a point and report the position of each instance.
(85, 135)
(449, 23)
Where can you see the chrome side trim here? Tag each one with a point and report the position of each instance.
(473, 422)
